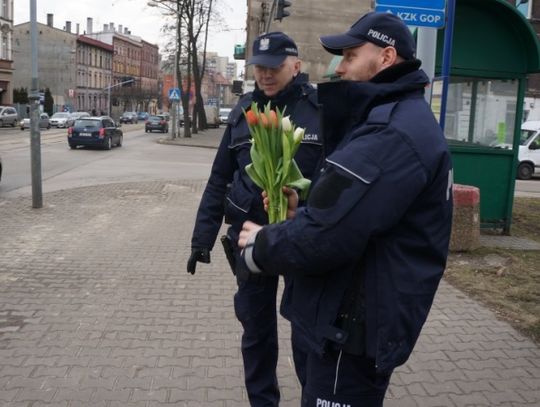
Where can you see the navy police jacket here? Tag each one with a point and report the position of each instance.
(377, 221)
(230, 193)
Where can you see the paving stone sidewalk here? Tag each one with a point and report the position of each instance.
(96, 309)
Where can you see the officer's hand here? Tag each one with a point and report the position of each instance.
(248, 228)
(201, 254)
(292, 199)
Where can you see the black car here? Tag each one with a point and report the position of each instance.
(156, 123)
(95, 131)
(129, 117)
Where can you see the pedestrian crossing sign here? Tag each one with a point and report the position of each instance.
(174, 94)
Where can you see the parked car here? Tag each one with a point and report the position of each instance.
(44, 122)
(142, 116)
(529, 150)
(77, 115)
(224, 114)
(95, 131)
(181, 116)
(156, 123)
(8, 115)
(165, 115)
(129, 117)
(61, 119)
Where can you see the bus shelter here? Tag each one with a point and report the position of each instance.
(494, 48)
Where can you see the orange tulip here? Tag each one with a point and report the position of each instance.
(251, 118)
(273, 118)
(264, 120)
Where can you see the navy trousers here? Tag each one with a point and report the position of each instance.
(255, 308)
(339, 379)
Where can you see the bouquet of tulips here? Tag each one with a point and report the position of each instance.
(274, 142)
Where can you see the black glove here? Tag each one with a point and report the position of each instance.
(201, 254)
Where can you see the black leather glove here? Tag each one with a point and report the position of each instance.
(201, 254)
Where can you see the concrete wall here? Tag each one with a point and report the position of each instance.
(308, 20)
(57, 67)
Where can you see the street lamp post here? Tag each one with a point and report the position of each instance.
(87, 87)
(109, 99)
(108, 89)
(35, 135)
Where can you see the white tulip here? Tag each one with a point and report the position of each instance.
(286, 124)
(299, 134)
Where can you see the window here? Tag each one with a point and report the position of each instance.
(479, 111)
(5, 51)
(5, 9)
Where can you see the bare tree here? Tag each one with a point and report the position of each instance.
(202, 12)
(192, 25)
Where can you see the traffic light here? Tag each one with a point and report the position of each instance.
(237, 87)
(281, 13)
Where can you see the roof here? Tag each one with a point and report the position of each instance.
(94, 42)
(42, 26)
(531, 125)
(491, 39)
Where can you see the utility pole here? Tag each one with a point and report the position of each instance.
(35, 135)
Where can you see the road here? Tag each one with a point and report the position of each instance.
(529, 188)
(140, 158)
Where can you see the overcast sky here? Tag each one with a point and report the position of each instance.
(140, 19)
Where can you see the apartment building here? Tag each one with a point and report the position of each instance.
(57, 61)
(94, 63)
(135, 66)
(6, 52)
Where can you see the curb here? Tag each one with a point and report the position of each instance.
(176, 142)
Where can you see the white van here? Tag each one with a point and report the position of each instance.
(224, 113)
(212, 117)
(529, 150)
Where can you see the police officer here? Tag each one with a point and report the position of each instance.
(230, 193)
(369, 248)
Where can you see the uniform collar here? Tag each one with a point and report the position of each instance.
(346, 104)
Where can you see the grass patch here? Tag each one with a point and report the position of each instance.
(507, 281)
(526, 218)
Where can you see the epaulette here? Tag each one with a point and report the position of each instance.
(310, 94)
(381, 114)
(238, 111)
